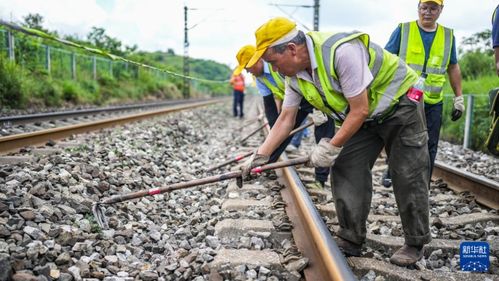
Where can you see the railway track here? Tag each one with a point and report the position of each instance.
(16, 141)
(485, 190)
(271, 229)
(13, 120)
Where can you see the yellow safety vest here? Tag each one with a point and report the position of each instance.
(412, 51)
(391, 77)
(277, 89)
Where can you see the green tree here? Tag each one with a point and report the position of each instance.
(476, 55)
(34, 21)
(479, 41)
(101, 40)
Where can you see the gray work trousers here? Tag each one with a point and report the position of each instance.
(405, 138)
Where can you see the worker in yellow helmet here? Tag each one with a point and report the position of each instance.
(428, 47)
(270, 84)
(364, 88)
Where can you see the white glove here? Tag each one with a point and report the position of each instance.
(318, 117)
(324, 154)
(254, 161)
(458, 108)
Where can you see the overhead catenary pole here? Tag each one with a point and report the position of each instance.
(316, 7)
(186, 87)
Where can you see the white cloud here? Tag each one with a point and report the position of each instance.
(158, 24)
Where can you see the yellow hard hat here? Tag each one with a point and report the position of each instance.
(439, 2)
(269, 33)
(243, 57)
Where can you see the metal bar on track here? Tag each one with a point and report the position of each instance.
(20, 119)
(332, 262)
(485, 190)
(326, 259)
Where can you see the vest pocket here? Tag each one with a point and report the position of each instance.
(435, 61)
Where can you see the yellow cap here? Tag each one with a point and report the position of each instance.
(243, 57)
(439, 2)
(269, 33)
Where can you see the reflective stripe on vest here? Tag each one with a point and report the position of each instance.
(391, 77)
(413, 53)
(277, 89)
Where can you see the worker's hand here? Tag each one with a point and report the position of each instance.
(318, 117)
(458, 108)
(255, 160)
(324, 154)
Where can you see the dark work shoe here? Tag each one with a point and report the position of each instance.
(348, 248)
(387, 179)
(407, 255)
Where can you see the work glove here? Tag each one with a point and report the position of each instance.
(458, 108)
(255, 160)
(318, 117)
(323, 154)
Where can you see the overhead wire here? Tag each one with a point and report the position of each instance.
(44, 35)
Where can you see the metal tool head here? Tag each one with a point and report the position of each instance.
(99, 215)
(239, 182)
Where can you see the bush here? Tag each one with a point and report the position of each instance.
(11, 86)
(71, 91)
(106, 79)
(475, 64)
(91, 90)
(48, 91)
(454, 131)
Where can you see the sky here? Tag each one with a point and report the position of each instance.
(218, 28)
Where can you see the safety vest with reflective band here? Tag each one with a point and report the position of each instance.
(277, 89)
(412, 51)
(237, 82)
(391, 77)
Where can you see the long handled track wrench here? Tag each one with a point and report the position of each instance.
(243, 156)
(99, 212)
(250, 122)
(254, 132)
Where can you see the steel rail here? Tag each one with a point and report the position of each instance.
(30, 118)
(486, 191)
(14, 142)
(312, 236)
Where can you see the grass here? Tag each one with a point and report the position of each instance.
(454, 131)
(21, 88)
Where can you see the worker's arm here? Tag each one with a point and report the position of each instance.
(359, 110)
(455, 79)
(280, 131)
(278, 104)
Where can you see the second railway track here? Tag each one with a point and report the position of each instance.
(13, 142)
